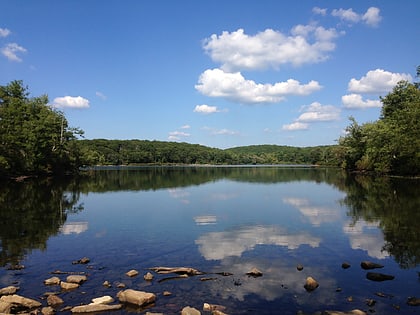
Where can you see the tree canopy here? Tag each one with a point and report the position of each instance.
(392, 143)
(34, 137)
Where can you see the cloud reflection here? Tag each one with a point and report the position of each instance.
(219, 245)
(364, 235)
(317, 215)
(74, 228)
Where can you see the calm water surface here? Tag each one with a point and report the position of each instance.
(218, 219)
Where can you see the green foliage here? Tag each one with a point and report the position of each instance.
(34, 138)
(391, 144)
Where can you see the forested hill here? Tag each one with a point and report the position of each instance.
(131, 152)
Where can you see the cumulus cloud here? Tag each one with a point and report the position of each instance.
(206, 109)
(314, 112)
(4, 32)
(234, 87)
(177, 135)
(377, 81)
(185, 127)
(295, 126)
(11, 50)
(270, 49)
(71, 102)
(355, 101)
(371, 17)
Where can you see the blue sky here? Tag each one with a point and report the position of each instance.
(217, 73)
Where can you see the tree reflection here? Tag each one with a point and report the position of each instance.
(394, 203)
(31, 212)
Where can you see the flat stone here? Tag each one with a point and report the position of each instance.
(8, 290)
(187, 310)
(132, 273)
(52, 281)
(68, 286)
(103, 300)
(79, 279)
(135, 297)
(95, 308)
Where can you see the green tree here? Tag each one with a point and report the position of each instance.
(392, 143)
(34, 137)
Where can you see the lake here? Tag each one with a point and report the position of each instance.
(218, 220)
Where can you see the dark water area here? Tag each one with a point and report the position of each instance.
(218, 219)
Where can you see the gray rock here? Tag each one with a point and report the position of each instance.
(135, 297)
(254, 272)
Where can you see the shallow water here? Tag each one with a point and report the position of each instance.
(218, 219)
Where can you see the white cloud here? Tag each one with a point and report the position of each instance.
(270, 49)
(317, 112)
(355, 101)
(101, 95)
(70, 102)
(224, 131)
(371, 17)
(319, 11)
(4, 32)
(234, 87)
(314, 112)
(377, 81)
(185, 127)
(177, 135)
(11, 50)
(295, 126)
(206, 109)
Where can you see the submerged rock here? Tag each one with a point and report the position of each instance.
(83, 261)
(299, 267)
(345, 265)
(188, 310)
(413, 301)
(311, 284)
(370, 265)
(375, 276)
(135, 297)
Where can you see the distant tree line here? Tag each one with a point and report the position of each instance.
(35, 139)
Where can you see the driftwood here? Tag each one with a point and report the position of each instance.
(178, 270)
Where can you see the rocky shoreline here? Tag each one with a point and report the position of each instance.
(140, 301)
